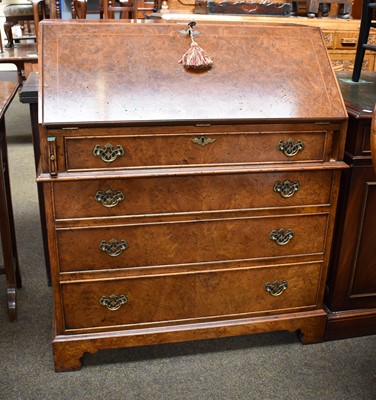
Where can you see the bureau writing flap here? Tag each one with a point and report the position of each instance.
(118, 71)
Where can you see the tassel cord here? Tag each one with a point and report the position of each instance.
(195, 58)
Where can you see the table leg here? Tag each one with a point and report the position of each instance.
(1, 44)
(7, 230)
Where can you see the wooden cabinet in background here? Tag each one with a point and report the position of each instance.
(342, 42)
(351, 289)
(340, 35)
(185, 205)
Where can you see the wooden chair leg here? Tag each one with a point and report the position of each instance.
(347, 8)
(8, 33)
(28, 26)
(325, 9)
(365, 26)
(312, 8)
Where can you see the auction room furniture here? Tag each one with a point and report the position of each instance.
(129, 9)
(262, 8)
(258, 8)
(313, 7)
(183, 204)
(351, 292)
(146, 7)
(29, 95)
(368, 13)
(43, 9)
(40, 12)
(79, 9)
(7, 230)
(340, 35)
(373, 138)
(123, 8)
(14, 13)
(24, 57)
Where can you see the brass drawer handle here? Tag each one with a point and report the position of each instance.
(281, 237)
(113, 302)
(202, 140)
(113, 248)
(109, 198)
(287, 188)
(349, 42)
(276, 288)
(108, 154)
(290, 147)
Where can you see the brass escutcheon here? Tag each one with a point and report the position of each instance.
(202, 140)
(281, 237)
(287, 188)
(113, 302)
(290, 147)
(113, 248)
(276, 288)
(51, 141)
(108, 154)
(109, 198)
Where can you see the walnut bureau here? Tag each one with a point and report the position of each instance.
(185, 205)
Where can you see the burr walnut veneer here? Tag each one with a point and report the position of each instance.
(185, 205)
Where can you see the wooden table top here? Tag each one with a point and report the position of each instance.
(20, 52)
(7, 92)
(29, 90)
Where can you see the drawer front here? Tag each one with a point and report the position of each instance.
(142, 196)
(194, 241)
(344, 61)
(346, 40)
(187, 297)
(85, 153)
(349, 39)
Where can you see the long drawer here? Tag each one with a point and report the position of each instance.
(184, 297)
(141, 196)
(98, 152)
(193, 241)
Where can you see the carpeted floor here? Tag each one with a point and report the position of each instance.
(266, 366)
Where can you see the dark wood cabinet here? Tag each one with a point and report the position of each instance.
(351, 289)
(8, 253)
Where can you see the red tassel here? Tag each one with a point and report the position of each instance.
(196, 58)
